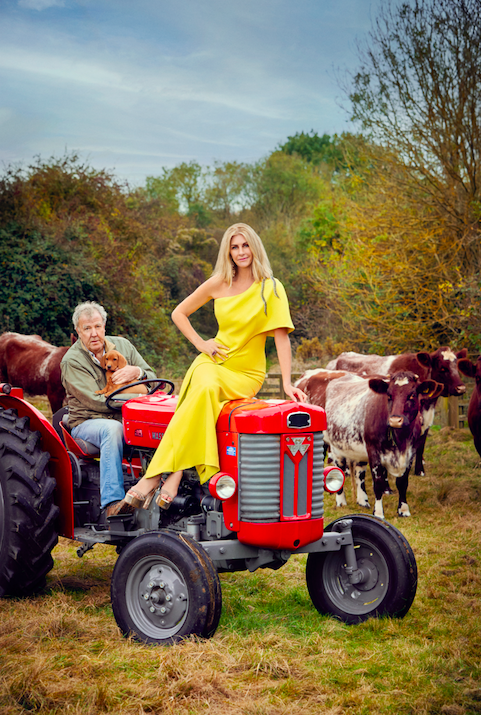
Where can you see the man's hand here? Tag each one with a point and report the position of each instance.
(130, 373)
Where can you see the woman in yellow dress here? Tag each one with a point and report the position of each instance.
(249, 305)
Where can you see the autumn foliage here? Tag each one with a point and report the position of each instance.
(375, 233)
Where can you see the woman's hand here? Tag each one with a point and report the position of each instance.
(214, 350)
(295, 394)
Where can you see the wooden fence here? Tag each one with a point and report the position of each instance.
(450, 411)
(453, 411)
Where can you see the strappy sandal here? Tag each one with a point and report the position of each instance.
(135, 500)
(164, 500)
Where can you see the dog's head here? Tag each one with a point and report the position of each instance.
(113, 361)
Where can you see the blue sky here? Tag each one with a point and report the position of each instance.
(135, 85)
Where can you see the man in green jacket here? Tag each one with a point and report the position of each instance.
(89, 417)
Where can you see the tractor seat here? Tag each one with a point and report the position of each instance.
(80, 447)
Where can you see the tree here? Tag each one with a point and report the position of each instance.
(315, 149)
(418, 92)
(281, 187)
(180, 188)
(405, 272)
(227, 191)
(70, 233)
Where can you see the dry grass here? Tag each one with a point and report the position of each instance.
(61, 652)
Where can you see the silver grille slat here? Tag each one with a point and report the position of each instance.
(317, 509)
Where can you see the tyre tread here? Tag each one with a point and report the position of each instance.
(30, 514)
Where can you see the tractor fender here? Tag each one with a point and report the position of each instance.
(59, 464)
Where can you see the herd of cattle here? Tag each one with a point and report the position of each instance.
(379, 409)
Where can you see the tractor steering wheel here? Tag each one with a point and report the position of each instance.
(160, 384)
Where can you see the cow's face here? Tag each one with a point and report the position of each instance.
(444, 369)
(403, 393)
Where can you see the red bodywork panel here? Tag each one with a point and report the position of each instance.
(268, 417)
(146, 418)
(59, 464)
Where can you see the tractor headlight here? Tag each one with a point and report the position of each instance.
(333, 479)
(222, 486)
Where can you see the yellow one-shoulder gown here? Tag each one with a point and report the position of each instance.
(245, 320)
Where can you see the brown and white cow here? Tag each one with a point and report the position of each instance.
(440, 365)
(373, 421)
(473, 369)
(31, 363)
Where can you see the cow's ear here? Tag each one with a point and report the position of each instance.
(122, 360)
(427, 388)
(378, 385)
(462, 353)
(467, 367)
(438, 390)
(424, 359)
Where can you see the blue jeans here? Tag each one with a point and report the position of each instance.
(107, 435)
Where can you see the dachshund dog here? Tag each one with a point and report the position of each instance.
(111, 362)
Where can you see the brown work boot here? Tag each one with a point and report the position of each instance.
(117, 507)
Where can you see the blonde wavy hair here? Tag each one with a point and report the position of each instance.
(225, 267)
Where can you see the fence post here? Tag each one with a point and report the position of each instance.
(453, 412)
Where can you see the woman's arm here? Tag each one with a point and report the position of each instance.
(283, 347)
(180, 316)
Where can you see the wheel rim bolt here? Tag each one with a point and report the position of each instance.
(152, 609)
(168, 597)
(151, 585)
(145, 596)
(162, 610)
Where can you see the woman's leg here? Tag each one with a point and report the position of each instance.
(147, 484)
(171, 484)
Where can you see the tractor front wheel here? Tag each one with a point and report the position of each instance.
(164, 589)
(27, 512)
(387, 568)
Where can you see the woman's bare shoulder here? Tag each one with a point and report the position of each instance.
(216, 286)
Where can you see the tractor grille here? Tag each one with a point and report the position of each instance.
(259, 479)
(259, 467)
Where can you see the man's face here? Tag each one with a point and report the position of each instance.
(91, 332)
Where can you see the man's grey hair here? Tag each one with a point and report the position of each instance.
(88, 309)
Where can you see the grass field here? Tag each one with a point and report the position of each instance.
(61, 652)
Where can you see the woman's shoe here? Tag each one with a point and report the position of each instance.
(164, 500)
(134, 500)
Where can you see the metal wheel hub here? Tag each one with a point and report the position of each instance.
(361, 597)
(162, 595)
(370, 574)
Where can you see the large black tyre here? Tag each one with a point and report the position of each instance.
(162, 591)
(390, 574)
(215, 610)
(27, 511)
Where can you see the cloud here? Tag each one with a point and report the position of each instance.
(138, 85)
(40, 4)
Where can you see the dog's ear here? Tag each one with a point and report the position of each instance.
(122, 360)
(102, 361)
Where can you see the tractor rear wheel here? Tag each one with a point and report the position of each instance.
(27, 512)
(389, 574)
(164, 589)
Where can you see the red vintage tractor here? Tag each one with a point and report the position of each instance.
(265, 505)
